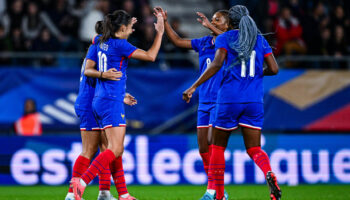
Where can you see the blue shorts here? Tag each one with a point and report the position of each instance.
(109, 113)
(205, 114)
(87, 120)
(229, 115)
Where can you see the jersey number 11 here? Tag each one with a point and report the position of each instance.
(251, 66)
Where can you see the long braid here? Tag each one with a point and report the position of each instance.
(248, 32)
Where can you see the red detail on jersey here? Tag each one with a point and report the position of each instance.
(131, 53)
(224, 49)
(121, 63)
(267, 54)
(93, 39)
(202, 127)
(335, 121)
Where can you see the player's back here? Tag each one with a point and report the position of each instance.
(206, 49)
(113, 53)
(87, 84)
(243, 81)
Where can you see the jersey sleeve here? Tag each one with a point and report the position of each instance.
(195, 43)
(92, 53)
(95, 39)
(221, 42)
(266, 48)
(127, 48)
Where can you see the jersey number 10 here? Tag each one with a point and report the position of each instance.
(251, 66)
(102, 62)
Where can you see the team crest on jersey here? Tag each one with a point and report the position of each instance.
(121, 114)
(104, 46)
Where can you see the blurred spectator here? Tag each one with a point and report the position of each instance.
(29, 124)
(129, 7)
(87, 27)
(32, 24)
(12, 19)
(5, 45)
(326, 42)
(296, 9)
(59, 17)
(288, 33)
(2, 6)
(340, 19)
(312, 31)
(17, 40)
(147, 15)
(45, 43)
(339, 43)
(175, 23)
(273, 6)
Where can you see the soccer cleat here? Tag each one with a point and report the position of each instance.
(127, 198)
(275, 191)
(106, 196)
(78, 189)
(207, 196)
(225, 195)
(69, 196)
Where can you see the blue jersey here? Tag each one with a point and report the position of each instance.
(242, 83)
(206, 50)
(87, 84)
(113, 53)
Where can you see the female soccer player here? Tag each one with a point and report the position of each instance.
(91, 135)
(114, 50)
(240, 97)
(208, 91)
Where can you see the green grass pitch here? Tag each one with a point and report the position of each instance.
(182, 192)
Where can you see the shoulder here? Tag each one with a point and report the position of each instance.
(206, 39)
(221, 38)
(95, 39)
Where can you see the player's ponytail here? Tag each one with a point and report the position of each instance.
(248, 32)
(99, 27)
(112, 24)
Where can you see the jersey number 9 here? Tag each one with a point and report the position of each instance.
(102, 62)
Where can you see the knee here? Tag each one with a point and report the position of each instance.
(118, 151)
(89, 152)
(203, 148)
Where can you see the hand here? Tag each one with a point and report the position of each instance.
(112, 74)
(187, 95)
(129, 100)
(159, 26)
(203, 20)
(160, 10)
(133, 20)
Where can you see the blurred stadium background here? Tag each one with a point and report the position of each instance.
(307, 105)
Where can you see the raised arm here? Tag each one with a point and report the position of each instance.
(272, 66)
(152, 53)
(213, 68)
(172, 35)
(206, 23)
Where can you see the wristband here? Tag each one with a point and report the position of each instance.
(101, 75)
